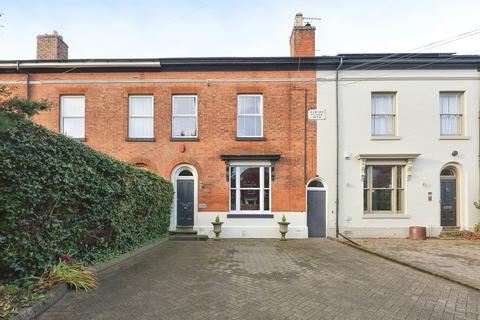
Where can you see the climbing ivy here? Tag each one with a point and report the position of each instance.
(59, 196)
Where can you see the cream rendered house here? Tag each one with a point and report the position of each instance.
(399, 145)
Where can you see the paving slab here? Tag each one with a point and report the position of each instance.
(266, 279)
(458, 260)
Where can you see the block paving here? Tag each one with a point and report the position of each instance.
(266, 279)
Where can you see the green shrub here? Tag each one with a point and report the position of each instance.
(477, 228)
(59, 196)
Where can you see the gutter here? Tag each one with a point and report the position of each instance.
(337, 229)
(62, 65)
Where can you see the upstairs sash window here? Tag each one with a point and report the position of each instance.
(250, 116)
(72, 114)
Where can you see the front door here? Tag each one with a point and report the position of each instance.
(316, 213)
(185, 200)
(448, 202)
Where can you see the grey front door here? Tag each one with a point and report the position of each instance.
(448, 202)
(316, 213)
(185, 207)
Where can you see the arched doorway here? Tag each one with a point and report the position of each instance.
(316, 208)
(185, 202)
(448, 197)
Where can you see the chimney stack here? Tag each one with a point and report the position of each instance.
(302, 40)
(51, 47)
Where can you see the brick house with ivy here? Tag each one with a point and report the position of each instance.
(231, 134)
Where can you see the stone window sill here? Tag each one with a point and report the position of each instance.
(140, 139)
(184, 139)
(81, 139)
(454, 138)
(385, 138)
(386, 216)
(250, 138)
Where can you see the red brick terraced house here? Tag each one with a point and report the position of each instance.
(232, 134)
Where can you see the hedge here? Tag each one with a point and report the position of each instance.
(59, 196)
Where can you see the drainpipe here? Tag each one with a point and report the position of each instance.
(27, 85)
(337, 145)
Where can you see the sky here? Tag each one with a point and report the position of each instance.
(216, 28)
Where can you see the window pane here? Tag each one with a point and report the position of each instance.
(365, 199)
(184, 105)
(249, 177)
(382, 200)
(450, 103)
(73, 106)
(74, 127)
(382, 125)
(399, 177)
(382, 104)
(140, 128)
(140, 106)
(266, 200)
(382, 176)
(233, 200)
(365, 178)
(249, 199)
(184, 127)
(450, 125)
(249, 105)
(233, 177)
(249, 126)
(266, 177)
(399, 200)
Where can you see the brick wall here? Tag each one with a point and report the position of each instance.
(285, 128)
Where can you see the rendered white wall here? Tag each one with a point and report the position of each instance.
(419, 131)
(253, 227)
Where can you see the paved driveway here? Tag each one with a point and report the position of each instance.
(266, 279)
(455, 259)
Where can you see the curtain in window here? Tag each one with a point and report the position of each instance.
(141, 117)
(450, 114)
(73, 116)
(382, 115)
(249, 119)
(184, 117)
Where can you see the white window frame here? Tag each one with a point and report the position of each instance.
(185, 115)
(393, 187)
(393, 115)
(459, 115)
(251, 114)
(238, 189)
(62, 117)
(144, 117)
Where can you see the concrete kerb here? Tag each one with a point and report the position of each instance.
(51, 297)
(100, 267)
(57, 293)
(407, 264)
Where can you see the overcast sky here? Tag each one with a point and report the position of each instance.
(199, 28)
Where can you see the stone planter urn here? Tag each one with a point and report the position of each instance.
(217, 228)
(283, 227)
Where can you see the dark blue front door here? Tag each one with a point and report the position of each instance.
(185, 207)
(448, 202)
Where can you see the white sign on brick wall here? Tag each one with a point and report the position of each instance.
(317, 114)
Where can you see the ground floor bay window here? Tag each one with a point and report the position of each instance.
(249, 189)
(383, 189)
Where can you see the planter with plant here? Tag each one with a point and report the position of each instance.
(217, 228)
(283, 226)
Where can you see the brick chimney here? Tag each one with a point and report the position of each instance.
(51, 47)
(302, 40)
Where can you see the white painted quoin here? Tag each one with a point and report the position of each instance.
(411, 138)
